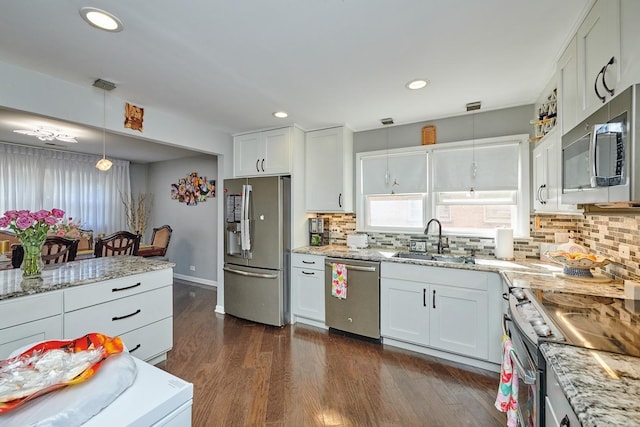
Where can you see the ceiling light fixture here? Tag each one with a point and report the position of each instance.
(101, 19)
(104, 164)
(281, 114)
(48, 135)
(417, 84)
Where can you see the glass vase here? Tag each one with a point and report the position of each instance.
(32, 262)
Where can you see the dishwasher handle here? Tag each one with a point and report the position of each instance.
(354, 267)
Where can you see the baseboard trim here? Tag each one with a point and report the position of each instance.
(220, 309)
(196, 280)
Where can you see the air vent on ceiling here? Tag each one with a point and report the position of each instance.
(104, 84)
(473, 106)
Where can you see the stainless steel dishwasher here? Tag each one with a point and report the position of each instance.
(359, 313)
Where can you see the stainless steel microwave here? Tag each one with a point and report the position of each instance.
(599, 155)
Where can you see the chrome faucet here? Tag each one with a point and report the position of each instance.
(426, 231)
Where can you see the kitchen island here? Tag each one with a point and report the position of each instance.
(124, 296)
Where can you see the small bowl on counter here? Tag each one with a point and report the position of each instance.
(577, 264)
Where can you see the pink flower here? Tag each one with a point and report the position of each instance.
(11, 214)
(5, 221)
(50, 220)
(40, 215)
(58, 213)
(24, 222)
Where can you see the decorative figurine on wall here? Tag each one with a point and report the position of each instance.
(193, 189)
(133, 117)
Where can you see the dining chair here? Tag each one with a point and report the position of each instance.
(118, 243)
(85, 241)
(58, 249)
(159, 242)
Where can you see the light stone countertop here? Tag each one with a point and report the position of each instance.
(82, 272)
(387, 254)
(596, 397)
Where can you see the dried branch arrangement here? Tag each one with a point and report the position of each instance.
(137, 211)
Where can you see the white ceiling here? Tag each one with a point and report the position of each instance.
(231, 63)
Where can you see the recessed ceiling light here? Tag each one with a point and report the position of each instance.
(101, 19)
(281, 114)
(417, 84)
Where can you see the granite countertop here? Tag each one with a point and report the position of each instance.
(387, 254)
(598, 397)
(555, 282)
(83, 272)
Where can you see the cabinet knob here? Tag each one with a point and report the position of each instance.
(350, 319)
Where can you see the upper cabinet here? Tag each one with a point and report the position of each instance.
(263, 153)
(598, 55)
(547, 175)
(329, 170)
(567, 72)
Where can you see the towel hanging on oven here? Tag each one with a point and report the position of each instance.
(339, 280)
(507, 399)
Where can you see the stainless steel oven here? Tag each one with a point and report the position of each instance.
(526, 322)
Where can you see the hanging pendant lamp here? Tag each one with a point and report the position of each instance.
(104, 164)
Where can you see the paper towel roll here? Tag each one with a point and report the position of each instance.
(504, 243)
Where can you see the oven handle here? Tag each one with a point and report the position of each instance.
(528, 376)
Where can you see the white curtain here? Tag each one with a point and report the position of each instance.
(33, 178)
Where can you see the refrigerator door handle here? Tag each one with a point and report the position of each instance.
(245, 237)
(249, 274)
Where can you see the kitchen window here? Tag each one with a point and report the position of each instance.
(472, 187)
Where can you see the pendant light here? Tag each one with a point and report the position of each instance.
(104, 164)
(386, 122)
(473, 106)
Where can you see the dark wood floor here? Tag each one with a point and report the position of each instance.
(246, 374)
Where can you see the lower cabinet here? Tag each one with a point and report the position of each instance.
(307, 288)
(138, 308)
(29, 320)
(452, 310)
(558, 410)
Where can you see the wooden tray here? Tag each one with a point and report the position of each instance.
(428, 134)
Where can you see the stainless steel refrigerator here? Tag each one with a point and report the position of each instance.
(257, 247)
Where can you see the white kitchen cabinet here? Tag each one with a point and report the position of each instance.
(307, 289)
(130, 307)
(558, 410)
(598, 41)
(329, 170)
(459, 320)
(567, 74)
(450, 310)
(404, 314)
(547, 176)
(29, 319)
(263, 153)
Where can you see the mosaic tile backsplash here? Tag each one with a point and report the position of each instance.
(601, 234)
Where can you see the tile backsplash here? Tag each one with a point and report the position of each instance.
(601, 234)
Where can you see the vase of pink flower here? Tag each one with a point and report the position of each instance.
(32, 229)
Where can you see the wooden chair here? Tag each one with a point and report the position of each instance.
(59, 249)
(118, 243)
(159, 242)
(85, 241)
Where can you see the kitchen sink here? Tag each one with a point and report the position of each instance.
(459, 259)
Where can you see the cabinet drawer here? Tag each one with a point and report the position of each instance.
(26, 334)
(150, 341)
(121, 315)
(308, 262)
(109, 290)
(30, 308)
